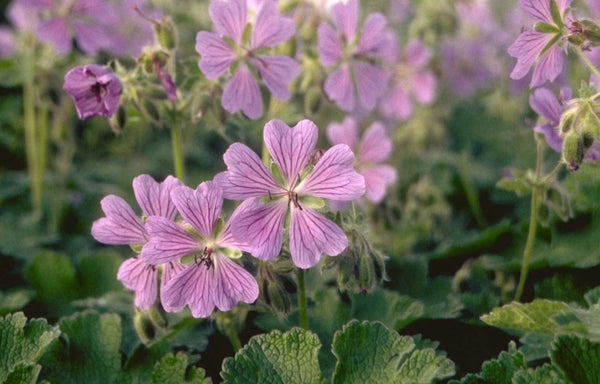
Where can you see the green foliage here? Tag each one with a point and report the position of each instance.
(14, 300)
(22, 345)
(537, 316)
(172, 370)
(276, 357)
(578, 358)
(370, 352)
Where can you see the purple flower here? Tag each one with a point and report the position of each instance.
(261, 223)
(122, 226)
(7, 42)
(228, 47)
(412, 80)
(540, 47)
(212, 279)
(374, 148)
(355, 57)
(94, 89)
(129, 32)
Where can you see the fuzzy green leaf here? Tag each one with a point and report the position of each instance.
(370, 352)
(276, 357)
(21, 345)
(23, 374)
(498, 371)
(578, 358)
(172, 370)
(536, 316)
(546, 374)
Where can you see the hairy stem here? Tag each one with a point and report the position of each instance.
(302, 304)
(32, 140)
(587, 62)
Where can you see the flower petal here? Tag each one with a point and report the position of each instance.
(168, 241)
(140, 277)
(270, 28)
(546, 104)
(229, 17)
(277, 72)
(330, 46)
(424, 87)
(261, 227)
(121, 226)
(155, 198)
(548, 67)
(417, 54)
(345, 17)
(371, 83)
(339, 88)
(195, 287)
(234, 284)
(375, 146)
(242, 93)
(372, 36)
(526, 49)
(343, 133)
(170, 270)
(56, 32)
(397, 104)
(216, 55)
(201, 207)
(334, 177)
(312, 235)
(377, 179)
(290, 147)
(246, 175)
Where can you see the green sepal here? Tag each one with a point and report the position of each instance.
(165, 34)
(137, 248)
(247, 34)
(219, 227)
(232, 253)
(556, 16)
(313, 202)
(573, 150)
(590, 123)
(545, 27)
(591, 31)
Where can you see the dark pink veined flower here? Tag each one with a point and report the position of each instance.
(412, 80)
(95, 90)
(541, 46)
(371, 150)
(261, 223)
(357, 73)
(229, 47)
(122, 226)
(213, 279)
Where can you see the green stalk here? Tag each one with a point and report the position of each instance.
(535, 197)
(302, 304)
(587, 62)
(31, 139)
(232, 335)
(177, 152)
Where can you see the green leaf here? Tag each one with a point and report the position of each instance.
(546, 374)
(498, 371)
(22, 345)
(10, 73)
(14, 300)
(371, 352)
(276, 357)
(89, 352)
(172, 370)
(23, 374)
(578, 358)
(536, 316)
(394, 310)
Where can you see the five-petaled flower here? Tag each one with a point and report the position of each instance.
(542, 45)
(95, 90)
(300, 176)
(122, 226)
(212, 278)
(232, 47)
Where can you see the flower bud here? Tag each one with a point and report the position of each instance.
(573, 150)
(165, 34)
(158, 317)
(591, 31)
(143, 327)
(566, 120)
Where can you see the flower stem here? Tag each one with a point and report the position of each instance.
(32, 145)
(302, 304)
(587, 62)
(177, 152)
(535, 197)
(232, 335)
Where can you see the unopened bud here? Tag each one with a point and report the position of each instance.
(566, 120)
(118, 120)
(143, 327)
(573, 151)
(165, 34)
(158, 317)
(591, 31)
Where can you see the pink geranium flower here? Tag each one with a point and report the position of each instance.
(372, 149)
(540, 47)
(213, 279)
(261, 223)
(95, 90)
(355, 57)
(228, 47)
(122, 226)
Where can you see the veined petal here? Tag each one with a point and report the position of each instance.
(261, 227)
(372, 35)
(242, 93)
(168, 241)
(216, 56)
(56, 32)
(417, 54)
(526, 49)
(246, 175)
(546, 104)
(375, 146)
(270, 28)
(397, 103)
(92, 36)
(548, 67)
(540, 9)
(550, 132)
(330, 46)
(141, 278)
(423, 87)
(343, 133)
(170, 270)
(121, 226)
(334, 177)
(226, 239)
(312, 235)
(195, 287)
(345, 17)
(277, 72)
(371, 83)
(377, 179)
(229, 17)
(155, 198)
(339, 88)
(201, 207)
(290, 147)
(234, 284)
